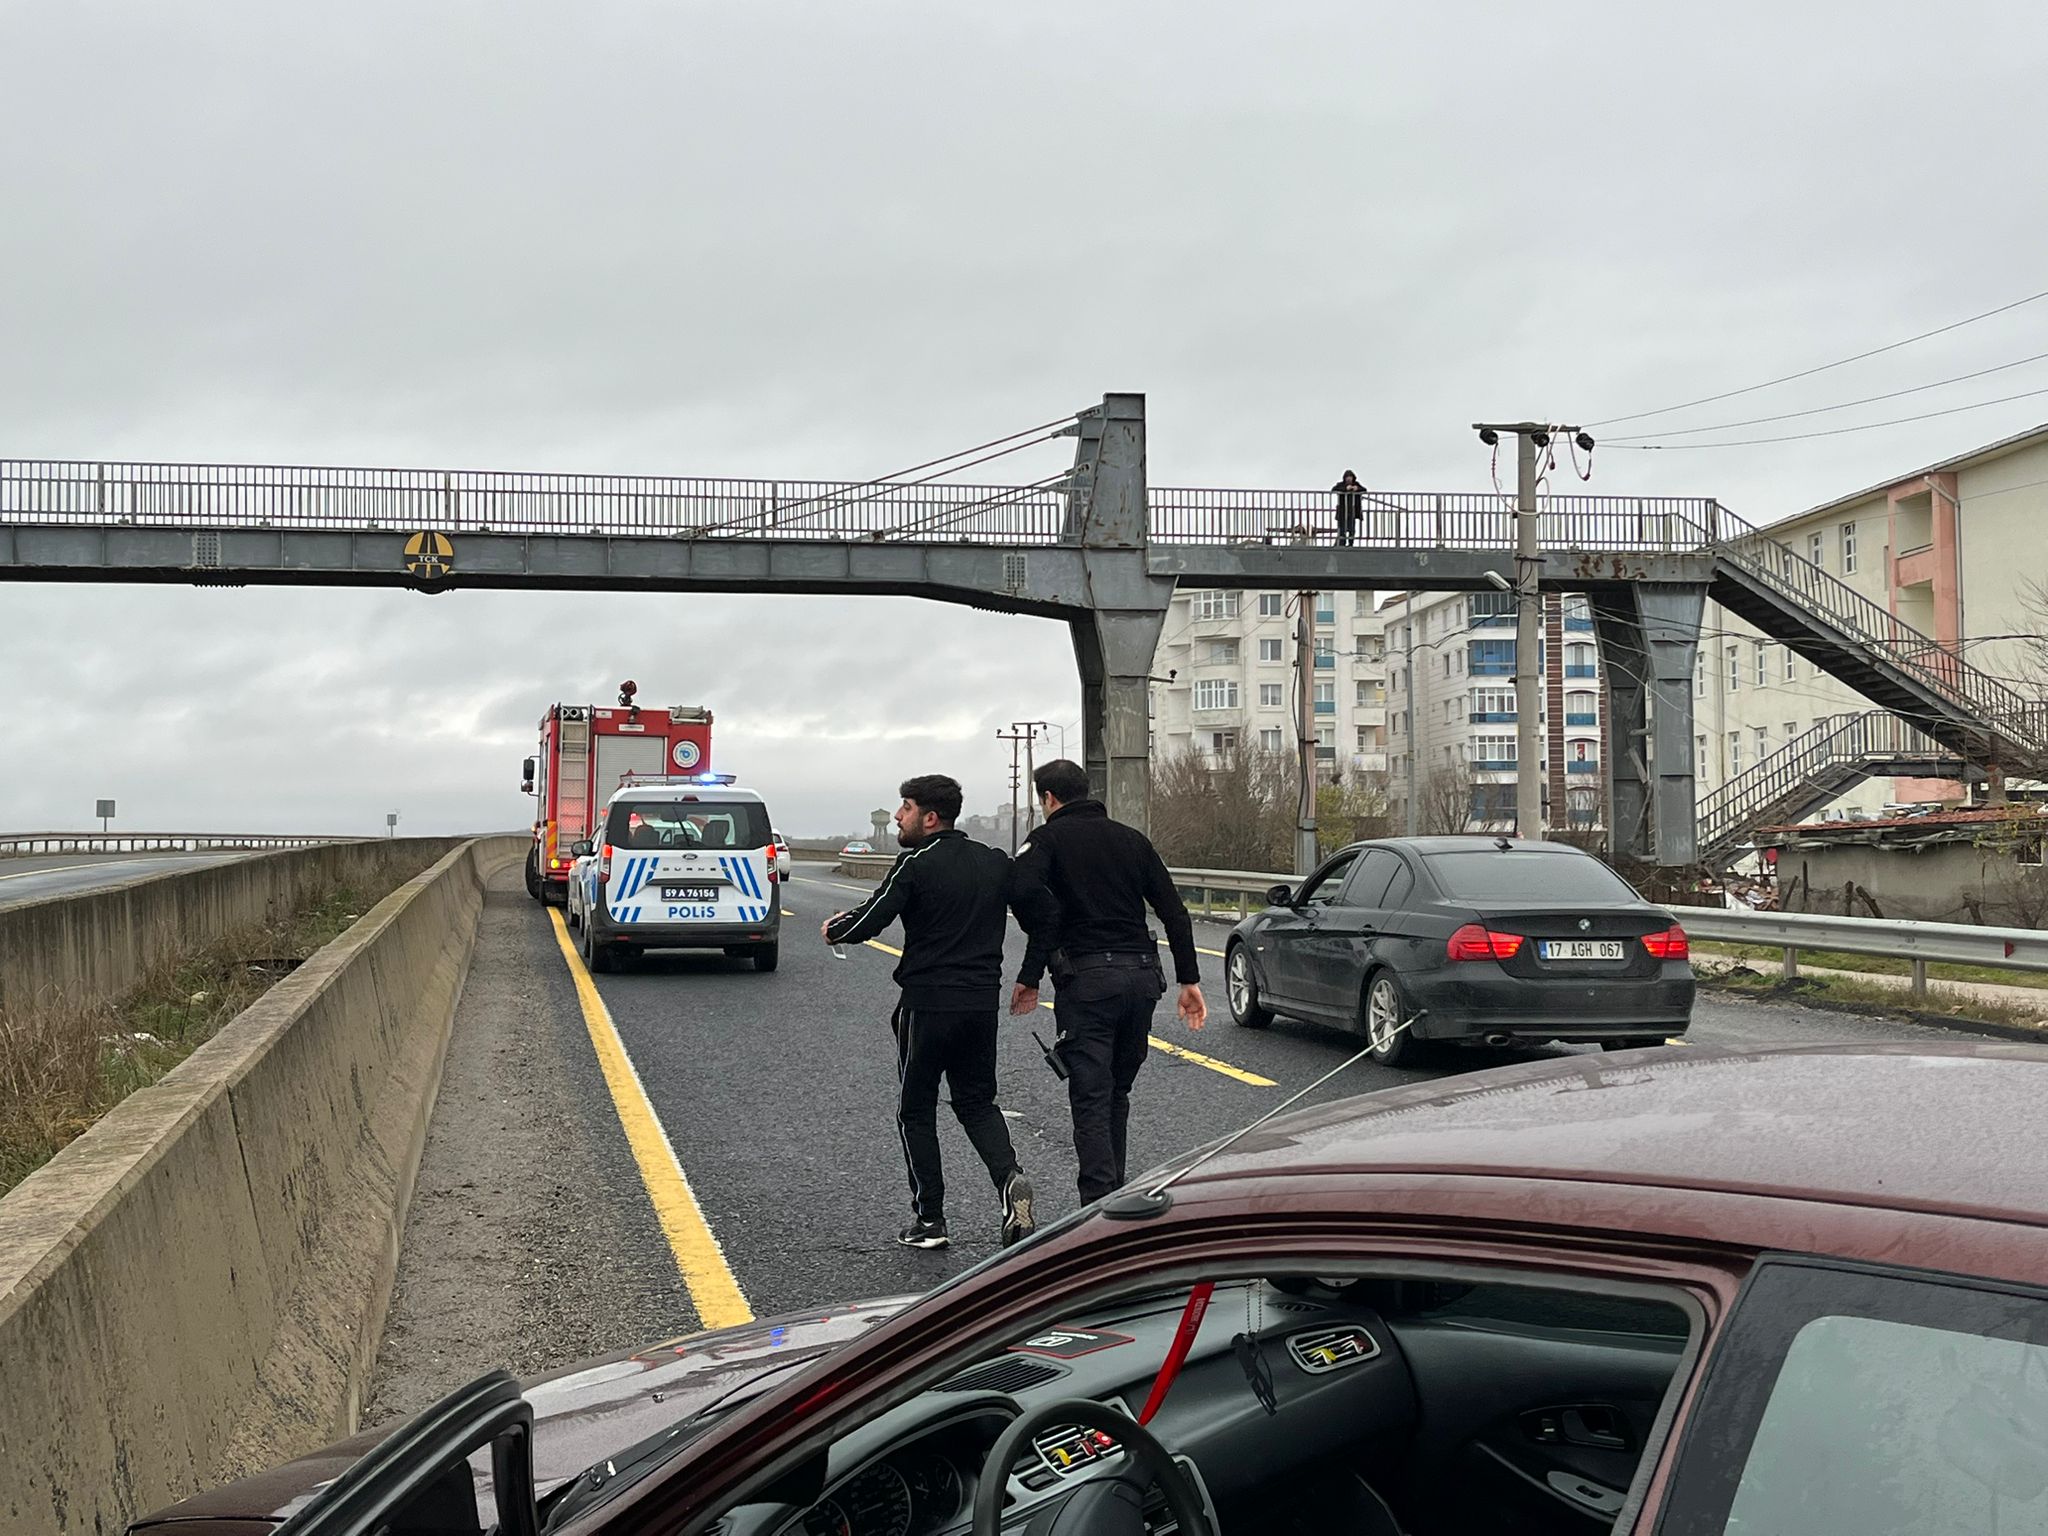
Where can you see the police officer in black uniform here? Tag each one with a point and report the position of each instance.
(952, 894)
(1105, 966)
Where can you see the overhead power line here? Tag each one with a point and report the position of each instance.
(1807, 373)
(1823, 410)
(1798, 437)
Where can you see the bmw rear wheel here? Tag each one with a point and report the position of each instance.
(1386, 1010)
(1242, 988)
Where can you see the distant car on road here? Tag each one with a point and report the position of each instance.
(858, 845)
(782, 854)
(1489, 939)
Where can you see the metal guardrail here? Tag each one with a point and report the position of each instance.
(2014, 949)
(2018, 949)
(17, 845)
(1425, 519)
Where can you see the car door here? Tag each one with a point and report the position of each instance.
(1283, 944)
(1344, 929)
(1856, 1398)
(464, 1465)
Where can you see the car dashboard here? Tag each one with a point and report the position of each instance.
(1321, 1376)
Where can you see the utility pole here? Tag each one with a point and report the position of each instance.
(1408, 700)
(1018, 733)
(1305, 731)
(1530, 437)
(1030, 728)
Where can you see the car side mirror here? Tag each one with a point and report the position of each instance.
(581, 848)
(1280, 896)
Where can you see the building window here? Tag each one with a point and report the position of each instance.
(1326, 741)
(1270, 650)
(1493, 702)
(1578, 660)
(1216, 693)
(1494, 751)
(1791, 657)
(1816, 547)
(1326, 693)
(1848, 535)
(1269, 696)
(1222, 743)
(1223, 653)
(1447, 666)
(1215, 605)
(1326, 654)
(1763, 742)
(1734, 753)
(1699, 754)
(1699, 674)
(1368, 738)
(1272, 605)
(1763, 664)
(1493, 658)
(1581, 709)
(1371, 692)
(1734, 670)
(1791, 730)
(1269, 741)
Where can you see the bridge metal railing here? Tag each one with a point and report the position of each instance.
(15, 845)
(455, 501)
(1429, 519)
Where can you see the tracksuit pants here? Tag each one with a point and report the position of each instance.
(961, 1049)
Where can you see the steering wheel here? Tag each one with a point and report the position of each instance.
(1102, 1505)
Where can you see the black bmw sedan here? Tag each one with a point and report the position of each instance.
(1471, 939)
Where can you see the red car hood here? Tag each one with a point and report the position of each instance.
(581, 1414)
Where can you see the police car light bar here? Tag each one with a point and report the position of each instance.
(629, 778)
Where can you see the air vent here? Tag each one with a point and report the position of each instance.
(1294, 1306)
(1015, 572)
(1322, 1350)
(1010, 1374)
(206, 550)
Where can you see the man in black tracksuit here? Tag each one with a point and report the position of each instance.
(1105, 963)
(952, 894)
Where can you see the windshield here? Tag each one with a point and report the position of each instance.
(644, 824)
(1494, 877)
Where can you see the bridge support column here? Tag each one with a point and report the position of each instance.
(1649, 634)
(1114, 648)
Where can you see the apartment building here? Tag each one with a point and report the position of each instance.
(1952, 549)
(1232, 659)
(1451, 733)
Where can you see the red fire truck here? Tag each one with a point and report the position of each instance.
(586, 752)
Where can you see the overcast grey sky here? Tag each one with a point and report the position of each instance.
(835, 239)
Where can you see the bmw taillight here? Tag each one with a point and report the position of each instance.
(1472, 942)
(1671, 944)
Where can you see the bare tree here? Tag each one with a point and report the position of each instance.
(1233, 810)
(1444, 801)
(2015, 874)
(1355, 807)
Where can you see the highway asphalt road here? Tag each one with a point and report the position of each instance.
(41, 876)
(622, 1158)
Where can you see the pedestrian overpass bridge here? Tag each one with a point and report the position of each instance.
(1096, 545)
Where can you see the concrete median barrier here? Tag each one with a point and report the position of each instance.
(196, 1286)
(96, 944)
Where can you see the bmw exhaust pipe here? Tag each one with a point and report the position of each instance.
(1498, 1038)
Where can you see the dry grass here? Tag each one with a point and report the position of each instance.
(63, 1066)
(1876, 965)
(1875, 998)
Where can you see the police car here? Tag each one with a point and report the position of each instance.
(681, 864)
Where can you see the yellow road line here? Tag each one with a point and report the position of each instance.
(1198, 949)
(1204, 1061)
(1157, 1044)
(714, 1291)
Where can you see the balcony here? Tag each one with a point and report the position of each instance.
(1482, 666)
(1579, 669)
(1327, 617)
(1493, 765)
(1581, 625)
(1491, 717)
(1326, 706)
(1325, 660)
(1580, 765)
(1577, 719)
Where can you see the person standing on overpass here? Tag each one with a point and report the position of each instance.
(952, 894)
(1350, 506)
(1105, 966)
